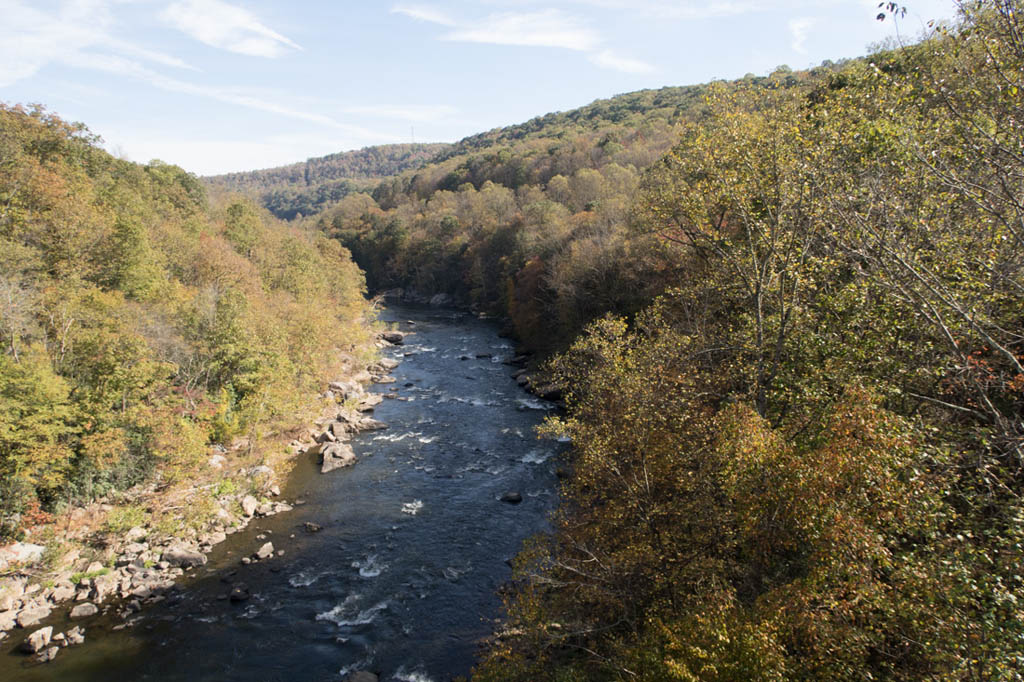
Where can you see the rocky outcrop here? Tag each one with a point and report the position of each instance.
(335, 456)
(20, 553)
(184, 557)
(249, 505)
(141, 566)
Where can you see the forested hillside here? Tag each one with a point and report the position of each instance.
(798, 419)
(139, 323)
(803, 460)
(311, 186)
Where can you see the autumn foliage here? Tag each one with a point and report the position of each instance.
(138, 323)
(803, 460)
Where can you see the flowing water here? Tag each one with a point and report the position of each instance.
(402, 580)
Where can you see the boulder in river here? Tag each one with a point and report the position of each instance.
(85, 610)
(239, 593)
(393, 337)
(512, 498)
(311, 527)
(38, 640)
(32, 615)
(362, 676)
(368, 424)
(335, 456)
(266, 551)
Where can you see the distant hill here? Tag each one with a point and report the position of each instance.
(309, 186)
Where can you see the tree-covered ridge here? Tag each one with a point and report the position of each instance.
(310, 186)
(805, 459)
(138, 323)
(531, 221)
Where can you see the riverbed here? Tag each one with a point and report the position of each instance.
(402, 578)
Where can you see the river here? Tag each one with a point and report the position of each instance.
(402, 580)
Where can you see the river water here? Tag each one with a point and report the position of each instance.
(402, 580)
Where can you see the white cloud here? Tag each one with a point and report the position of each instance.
(78, 35)
(543, 28)
(227, 27)
(431, 14)
(30, 38)
(610, 60)
(799, 29)
(251, 100)
(547, 28)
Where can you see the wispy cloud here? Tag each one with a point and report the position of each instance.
(244, 98)
(227, 27)
(431, 14)
(547, 28)
(78, 35)
(610, 60)
(692, 9)
(552, 28)
(31, 38)
(799, 29)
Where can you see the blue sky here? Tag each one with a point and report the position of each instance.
(226, 85)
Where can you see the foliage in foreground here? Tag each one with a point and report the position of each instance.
(138, 324)
(804, 461)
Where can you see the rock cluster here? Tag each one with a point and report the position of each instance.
(334, 431)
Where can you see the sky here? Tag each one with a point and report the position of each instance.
(219, 86)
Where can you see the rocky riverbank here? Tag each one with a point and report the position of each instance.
(103, 571)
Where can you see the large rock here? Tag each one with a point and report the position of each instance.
(347, 390)
(266, 551)
(388, 364)
(32, 615)
(20, 553)
(362, 676)
(85, 610)
(340, 430)
(75, 635)
(249, 505)
(62, 592)
(105, 585)
(183, 556)
(393, 337)
(136, 534)
(48, 654)
(239, 593)
(370, 401)
(368, 424)
(335, 456)
(8, 619)
(38, 640)
(512, 498)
